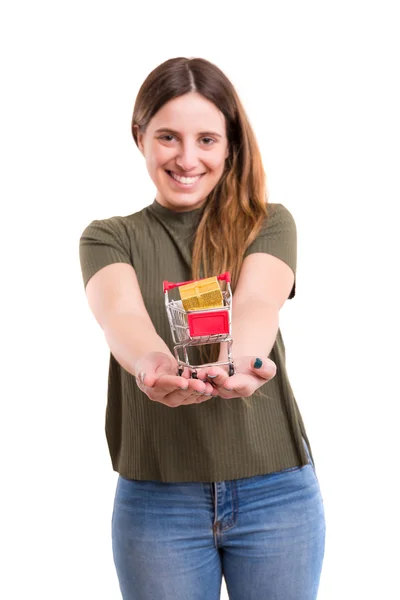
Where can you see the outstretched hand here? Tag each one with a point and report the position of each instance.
(157, 378)
(251, 373)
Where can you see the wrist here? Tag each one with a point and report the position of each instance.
(130, 339)
(156, 357)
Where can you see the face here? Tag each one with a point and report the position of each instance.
(185, 147)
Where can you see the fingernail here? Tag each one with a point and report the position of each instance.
(228, 389)
(258, 363)
(212, 376)
(142, 375)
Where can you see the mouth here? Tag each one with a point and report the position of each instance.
(184, 182)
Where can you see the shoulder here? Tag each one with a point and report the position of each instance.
(117, 225)
(279, 218)
(278, 238)
(277, 231)
(108, 225)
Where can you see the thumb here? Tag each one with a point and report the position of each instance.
(150, 367)
(264, 368)
(147, 378)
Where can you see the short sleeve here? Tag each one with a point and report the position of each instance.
(278, 237)
(103, 243)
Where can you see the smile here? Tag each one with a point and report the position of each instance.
(184, 181)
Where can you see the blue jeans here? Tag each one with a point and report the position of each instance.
(264, 534)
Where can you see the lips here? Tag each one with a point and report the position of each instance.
(181, 175)
(182, 184)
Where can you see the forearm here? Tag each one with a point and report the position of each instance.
(130, 337)
(254, 329)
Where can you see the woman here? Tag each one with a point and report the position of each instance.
(216, 475)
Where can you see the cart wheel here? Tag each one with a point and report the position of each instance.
(231, 370)
(194, 375)
(180, 371)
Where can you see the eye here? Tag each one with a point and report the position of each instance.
(167, 135)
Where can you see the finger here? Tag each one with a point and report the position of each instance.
(190, 389)
(264, 368)
(147, 379)
(154, 364)
(186, 373)
(166, 384)
(190, 396)
(172, 382)
(197, 398)
(202, 373)
(217, 376)
(175, 397)
(196, 385)
(241, 384)
(199, 387)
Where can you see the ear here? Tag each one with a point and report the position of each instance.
(227, 152)
(140, 143)
(139, 137)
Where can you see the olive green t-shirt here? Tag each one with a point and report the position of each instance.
(218, 439)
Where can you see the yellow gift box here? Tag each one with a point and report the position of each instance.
(201, 294)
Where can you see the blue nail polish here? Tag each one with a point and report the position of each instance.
(258, 363)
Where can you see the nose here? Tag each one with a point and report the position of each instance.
(187, 157)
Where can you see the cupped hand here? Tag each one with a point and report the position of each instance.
(157, 378)
(251, 373)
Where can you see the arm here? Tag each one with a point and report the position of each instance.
(264, 285)
(115, 299)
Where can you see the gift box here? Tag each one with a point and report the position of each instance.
(201, 294)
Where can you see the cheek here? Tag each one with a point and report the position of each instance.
(158, 157)
(217, 163)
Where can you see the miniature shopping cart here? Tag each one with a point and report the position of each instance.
(202, 315)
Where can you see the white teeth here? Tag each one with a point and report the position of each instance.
(187, 180)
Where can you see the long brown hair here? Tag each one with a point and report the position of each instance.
(236, 208)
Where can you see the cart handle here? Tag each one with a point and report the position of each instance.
(168, 285)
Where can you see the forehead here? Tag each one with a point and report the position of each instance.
(191, 112)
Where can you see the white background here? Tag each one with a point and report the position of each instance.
(319, 81)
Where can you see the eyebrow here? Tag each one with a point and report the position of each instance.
(166, 129)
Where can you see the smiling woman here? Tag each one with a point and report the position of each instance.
(221, 463)
(192, 159)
